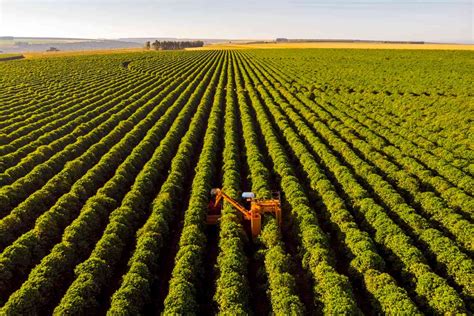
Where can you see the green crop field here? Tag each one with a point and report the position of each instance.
(107, 162)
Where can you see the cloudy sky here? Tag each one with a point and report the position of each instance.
(428, 20)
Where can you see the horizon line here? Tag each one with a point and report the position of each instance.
(243, 39)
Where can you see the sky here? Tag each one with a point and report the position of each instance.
(421, 20)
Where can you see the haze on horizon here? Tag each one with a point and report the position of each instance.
(406, 20)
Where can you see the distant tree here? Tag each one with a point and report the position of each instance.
(156, 45)
(52, 49)
(174, 45)
(147, 45)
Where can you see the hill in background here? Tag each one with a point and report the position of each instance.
(40, 44)
(10, 44)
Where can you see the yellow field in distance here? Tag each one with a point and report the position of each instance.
(356, 45)
(34, 55)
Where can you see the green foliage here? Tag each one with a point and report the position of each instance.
(371, 150)
(187, 272)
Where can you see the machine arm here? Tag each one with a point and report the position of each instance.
(221, 195)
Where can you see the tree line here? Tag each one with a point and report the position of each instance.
(172, 45)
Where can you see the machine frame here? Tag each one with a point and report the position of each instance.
(258, 207)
